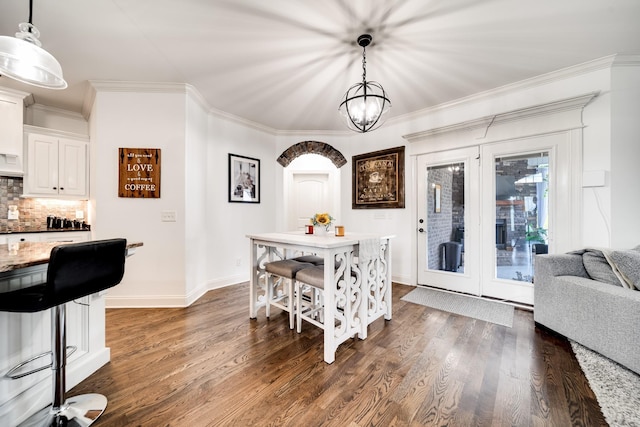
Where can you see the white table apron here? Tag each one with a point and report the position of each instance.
(355, 296)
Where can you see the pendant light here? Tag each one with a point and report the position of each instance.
(365, 104)
(22, 58)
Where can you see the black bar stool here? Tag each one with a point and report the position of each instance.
(74, 271)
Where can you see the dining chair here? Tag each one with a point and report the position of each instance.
(280, 285)
(309, 291)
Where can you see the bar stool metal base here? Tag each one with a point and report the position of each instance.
(77, 411)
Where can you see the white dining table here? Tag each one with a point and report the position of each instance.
(357, 290)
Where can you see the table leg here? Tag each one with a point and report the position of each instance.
(387, 293)
(329, 308)
(253, 280)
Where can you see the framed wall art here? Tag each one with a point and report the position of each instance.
(437, 190)
(139, 172)
(378, 179)
(244, 179)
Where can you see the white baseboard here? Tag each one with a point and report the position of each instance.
(171, 301)
(403, 280)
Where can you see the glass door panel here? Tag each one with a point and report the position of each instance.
(522, 210)
(448, 225)
(445, 217)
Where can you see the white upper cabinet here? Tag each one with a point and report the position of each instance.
(56, 165)
(11, 119)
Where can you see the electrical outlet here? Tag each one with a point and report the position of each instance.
(79, 214)
(168, 216)
(13, 213)
(238, 262)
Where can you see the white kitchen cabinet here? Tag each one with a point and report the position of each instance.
(23, 237)
(11, 119)
(57, 164)
(66, 236)
(49, 236)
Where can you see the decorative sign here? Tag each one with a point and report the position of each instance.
(139, 173)
(378, 179)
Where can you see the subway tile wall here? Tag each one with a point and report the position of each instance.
(32, 212)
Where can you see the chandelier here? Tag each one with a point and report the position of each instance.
(365, 104)
(22, 58)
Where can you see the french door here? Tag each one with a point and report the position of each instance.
(448, 220)
(484, 213)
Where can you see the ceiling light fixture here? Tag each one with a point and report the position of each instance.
(365, 104)
(22, 58)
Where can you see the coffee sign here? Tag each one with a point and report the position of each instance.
(139, 173)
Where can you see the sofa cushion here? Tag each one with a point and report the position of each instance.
(599, 268)
(626, 265)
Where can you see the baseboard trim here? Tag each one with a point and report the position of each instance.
(171, 301)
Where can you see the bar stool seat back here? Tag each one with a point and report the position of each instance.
(75, 270)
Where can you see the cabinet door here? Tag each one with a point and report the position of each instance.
(10, 125)
(42, 169)
(72, 162)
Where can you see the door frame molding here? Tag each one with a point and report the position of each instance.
(561, 116)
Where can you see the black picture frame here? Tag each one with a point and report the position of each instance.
(244, 179)
(378, 179)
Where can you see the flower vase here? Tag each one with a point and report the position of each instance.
(319, 230)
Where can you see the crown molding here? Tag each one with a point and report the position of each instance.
(55, 132)
(161, 87)
(626, 61)
(543, 79)
(56, 111)
(567, 104)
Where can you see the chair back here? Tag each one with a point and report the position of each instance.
(80, 269)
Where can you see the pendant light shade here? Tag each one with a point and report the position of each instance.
(22, 59)
(365, 104)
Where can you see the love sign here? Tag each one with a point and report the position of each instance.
(139, 175)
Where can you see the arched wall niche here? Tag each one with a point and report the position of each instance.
(311, 147)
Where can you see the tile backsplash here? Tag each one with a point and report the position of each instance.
(32, 212)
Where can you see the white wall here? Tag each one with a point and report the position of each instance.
(625, 153)
(195, 195)
(157, 273)
(227, 224)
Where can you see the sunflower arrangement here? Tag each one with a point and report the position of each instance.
(322, 219)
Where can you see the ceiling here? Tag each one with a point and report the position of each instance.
(286, 64)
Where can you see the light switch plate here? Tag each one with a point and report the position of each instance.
(168, 216)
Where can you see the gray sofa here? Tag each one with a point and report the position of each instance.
(601, 316)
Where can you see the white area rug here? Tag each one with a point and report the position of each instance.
(464, 305)
(616, 388)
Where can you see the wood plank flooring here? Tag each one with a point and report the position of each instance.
(210, 365)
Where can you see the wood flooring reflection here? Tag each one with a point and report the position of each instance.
(210, 365)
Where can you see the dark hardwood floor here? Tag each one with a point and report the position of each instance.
(210, 365)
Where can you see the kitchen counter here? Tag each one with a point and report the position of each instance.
(19, 255)
(23, 335)
(31, 230)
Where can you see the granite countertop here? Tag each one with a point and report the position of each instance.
(4, 230)
(27, 254)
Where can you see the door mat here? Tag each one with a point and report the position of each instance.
(464, 305)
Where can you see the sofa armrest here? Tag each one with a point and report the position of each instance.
(549, 266)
